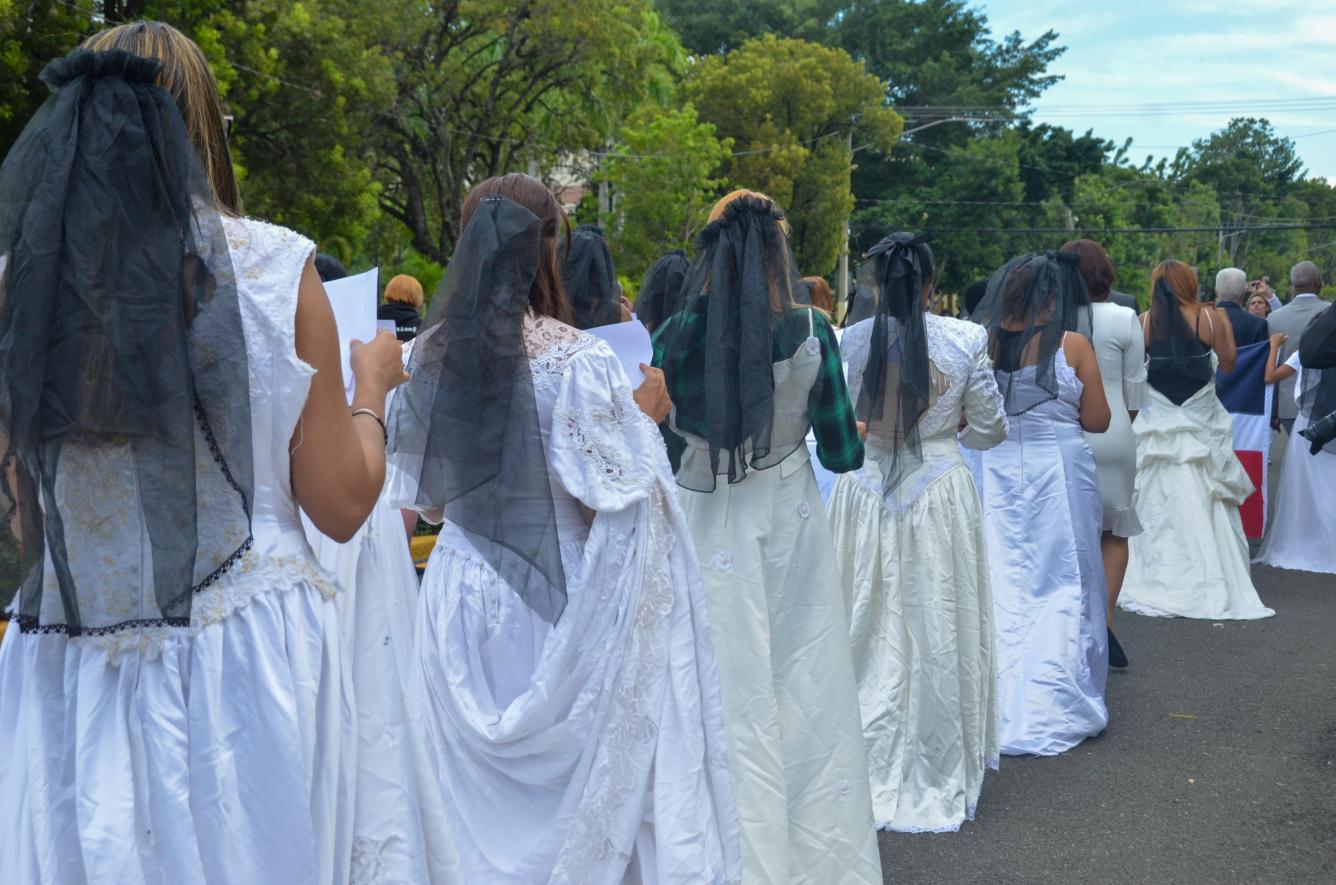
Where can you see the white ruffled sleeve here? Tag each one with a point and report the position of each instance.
(602, 449)
(985, 410)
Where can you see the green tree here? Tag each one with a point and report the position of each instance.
(664, 176)
(1253, 172)
(792, 108)
(707, 27)
(32, 34)
(488, 86)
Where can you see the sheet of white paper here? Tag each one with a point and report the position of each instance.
(630, 341)
(354, 302)
(387, 325)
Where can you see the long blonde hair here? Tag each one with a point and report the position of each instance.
(187, 78)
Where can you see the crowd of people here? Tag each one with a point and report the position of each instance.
(649, 645)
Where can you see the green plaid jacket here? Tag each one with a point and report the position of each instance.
(838, 445)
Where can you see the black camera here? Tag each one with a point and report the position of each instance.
(1320, 433)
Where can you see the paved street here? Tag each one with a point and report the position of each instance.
(1218, 766)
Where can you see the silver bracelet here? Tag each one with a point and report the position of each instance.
(379, 420)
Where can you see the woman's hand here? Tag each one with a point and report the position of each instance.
(378, 365)
(627, 313)
(652, 395)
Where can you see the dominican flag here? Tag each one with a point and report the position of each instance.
(1247, 397)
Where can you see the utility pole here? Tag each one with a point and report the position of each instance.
(842, 284)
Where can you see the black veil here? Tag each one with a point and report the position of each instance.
(589, 279)
(1031, 302)
(465, 428)
(895, 388)
(740, 317)
(661, 293)
(123, 368)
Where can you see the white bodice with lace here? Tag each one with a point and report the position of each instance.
(267, 261)
(962, 380)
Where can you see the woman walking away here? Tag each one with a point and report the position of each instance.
(175, 705)
(1121, 351)
(910, 540)
(562, 675)
(1191, 560)
(749, 371)
(1042, 508)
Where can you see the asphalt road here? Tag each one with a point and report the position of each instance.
(1218, 766)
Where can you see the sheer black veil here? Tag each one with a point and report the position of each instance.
(661, 292)
(123, 362)
(465, 428)
(894, 390)
(1031, 302)
(740, 316)
(589, 278)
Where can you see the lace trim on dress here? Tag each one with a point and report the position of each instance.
(589, 853)
(372, 860)
(250, 576)
(599, 435)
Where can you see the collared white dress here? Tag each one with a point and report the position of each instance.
(592, 750)
(222, 752)
(915, 568)
(1302, 534)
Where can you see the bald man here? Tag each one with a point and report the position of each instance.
(1291, 320)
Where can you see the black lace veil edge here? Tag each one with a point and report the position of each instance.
(107, 163)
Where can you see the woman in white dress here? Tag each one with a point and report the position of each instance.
(1042, 508)
(175, 703)
(1191, 560)
(910, 540)
(562, 673)
(749, 370)
(1120, 349)
(1302, 534)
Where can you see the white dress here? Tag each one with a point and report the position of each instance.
(378, 598)
(1302, 534)
(222, 752)
(1043, 514)
(915, 569)
(1191, 560)
(592, 751)
(782, 639)
(1120, 348)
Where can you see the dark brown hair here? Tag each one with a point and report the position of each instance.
(188, 79)
(1181, 281)
(546, 298)
(1095, 267)
(819, 290)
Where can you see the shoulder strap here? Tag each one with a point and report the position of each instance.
(811, 321)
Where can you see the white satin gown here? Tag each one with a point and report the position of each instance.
(1043, 513)
(222, 752)
(915, 568)
(1191, 560)
(1302, 534)
(782, 637)
(592, 750)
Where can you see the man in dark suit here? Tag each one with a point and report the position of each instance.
(1231, 284)
(1124, 300)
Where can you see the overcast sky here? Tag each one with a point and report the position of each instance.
(1203, 62)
